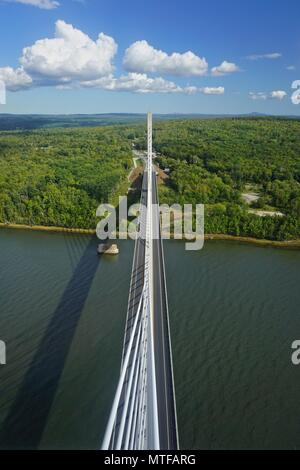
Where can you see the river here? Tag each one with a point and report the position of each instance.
(234, 313)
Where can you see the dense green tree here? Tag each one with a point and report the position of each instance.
(59, 176)
(211, 161)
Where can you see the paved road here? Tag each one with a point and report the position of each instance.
(162, 344)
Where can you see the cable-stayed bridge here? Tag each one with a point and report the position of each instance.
(143, 414)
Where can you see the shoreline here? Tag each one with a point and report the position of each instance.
(45, 228)
(295, 244)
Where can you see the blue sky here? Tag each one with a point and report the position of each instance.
(166, 56)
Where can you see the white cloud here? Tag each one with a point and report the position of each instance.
(258, 96)
(261, 95)
(15, 79)
(134, 82)
(278, 94)
(43, 4)
(72, 59)
(212, 90)
(141, 83)
(271, 56)
(225, 68)
(291, 67)
(205, 90)
(71, 55)
(142, 57)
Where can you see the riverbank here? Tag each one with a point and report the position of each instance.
(42, 228)
(220, 237)
(255, 241)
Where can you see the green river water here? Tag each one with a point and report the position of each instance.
(234, 313)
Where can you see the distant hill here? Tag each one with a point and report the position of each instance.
(10, 122)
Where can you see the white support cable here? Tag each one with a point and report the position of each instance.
(114, 410)
(129, 301)
(142, 420)
(136, 427)
(132, 409)
(139, 405)
(128, 391)
(135, 419)
(143, 355)
(145, 435)
(141, 230)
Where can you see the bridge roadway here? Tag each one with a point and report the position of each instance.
(168, 434)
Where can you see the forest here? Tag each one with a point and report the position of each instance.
(59, 176)
(214, 161)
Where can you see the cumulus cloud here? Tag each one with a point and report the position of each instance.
(134, 82)
(70, 55)
(220, 90)
(278, 94)
(258, 95)
(142, 57)
(141, 83)
(72, 59)
(43, 4)
(225, 68)
(15, 79)
(213, 90)
(261, 95)
(272, 56)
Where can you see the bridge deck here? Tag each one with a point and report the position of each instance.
(162, 343)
